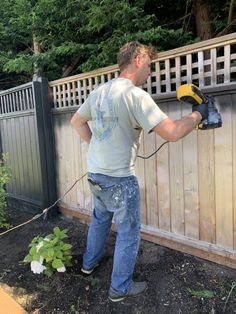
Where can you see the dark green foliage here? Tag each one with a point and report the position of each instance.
(57, 38)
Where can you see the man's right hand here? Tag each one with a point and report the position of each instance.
(202, 109)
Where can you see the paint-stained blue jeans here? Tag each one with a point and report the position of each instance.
(117, 198)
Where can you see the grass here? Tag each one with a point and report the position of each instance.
(205, 294)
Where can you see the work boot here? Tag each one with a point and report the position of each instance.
(136, 288)
(89, 271)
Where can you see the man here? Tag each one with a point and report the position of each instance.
(111, 121)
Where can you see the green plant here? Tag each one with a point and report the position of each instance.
(5, 177)
(212, 311)
(50, 254)
(233, 285)
(73, 309)
(205, 294)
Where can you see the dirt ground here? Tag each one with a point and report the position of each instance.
(177, 283)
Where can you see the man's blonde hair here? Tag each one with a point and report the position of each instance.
(130, 51)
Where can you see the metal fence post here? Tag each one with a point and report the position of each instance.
(46, 143)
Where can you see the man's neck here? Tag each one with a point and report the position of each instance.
(130, 75)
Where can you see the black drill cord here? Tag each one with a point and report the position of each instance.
(154, 152)
(45, 211)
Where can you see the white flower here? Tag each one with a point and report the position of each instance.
(37, 267)
(61, 269)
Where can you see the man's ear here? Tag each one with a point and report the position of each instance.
(138, 61)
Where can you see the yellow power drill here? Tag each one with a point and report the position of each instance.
(190, 93)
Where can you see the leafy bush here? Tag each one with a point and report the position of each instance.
(50, 254)
(5, 176)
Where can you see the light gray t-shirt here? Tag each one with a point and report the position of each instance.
(117, 112)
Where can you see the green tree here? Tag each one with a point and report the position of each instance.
(41, 36)
(57, 38)
(204, 18)
(128, 21)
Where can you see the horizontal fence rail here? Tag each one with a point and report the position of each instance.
(209, 63)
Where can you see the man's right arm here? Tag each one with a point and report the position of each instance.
(81, 126)
(173, 130)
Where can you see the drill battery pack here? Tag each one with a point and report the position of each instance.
(191, 94)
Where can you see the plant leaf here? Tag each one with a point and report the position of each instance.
(66, 247)
(57, 263)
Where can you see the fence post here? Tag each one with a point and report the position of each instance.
(46, 143)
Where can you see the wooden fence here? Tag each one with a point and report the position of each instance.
(189, 187)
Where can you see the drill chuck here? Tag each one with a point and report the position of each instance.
(213, 120)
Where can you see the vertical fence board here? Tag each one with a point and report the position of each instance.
(223, 170)
(163, 182)
(81, 201)
(11, 147)
(75, 156)
(176, 177)
(66, 155)
(234, 166)
(83, 196)
(140, 170)
(23, 148)
(17, 140)
(206, 175)
(28, 154)
(77, 169)
(87, 193)
(69, 154)
(61, 148)
(151, 180)
(190, 164)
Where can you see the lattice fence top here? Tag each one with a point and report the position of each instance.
(17, 100)
(206, 64)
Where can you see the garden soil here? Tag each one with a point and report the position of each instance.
(177, 282)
